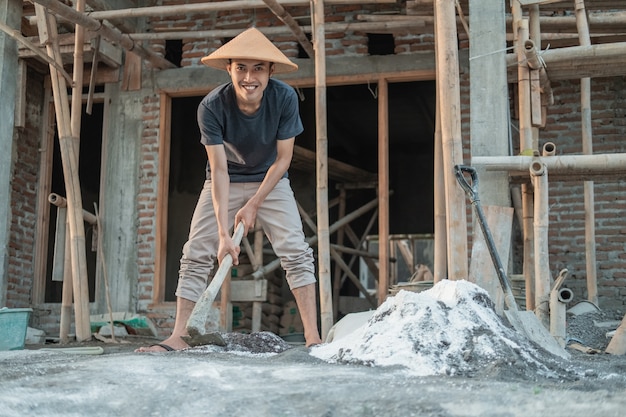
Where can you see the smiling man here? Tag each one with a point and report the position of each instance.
(248, 127)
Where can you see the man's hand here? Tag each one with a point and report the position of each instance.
(247, 215)
(227, 246)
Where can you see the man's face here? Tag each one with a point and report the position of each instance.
(250, 78)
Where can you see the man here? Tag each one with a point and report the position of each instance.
(248, 127)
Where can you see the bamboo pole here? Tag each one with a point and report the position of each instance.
(587, 139)
(520, 35)
(448, 89)
(204, 7)
(67, 291)
(48, 31)
(291, 23)
(323, 235)
(75, 119)
(114, 35)
(383, 190)
(598, 164)
(59, 201)
(543, 277)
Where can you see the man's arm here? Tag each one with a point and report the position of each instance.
(220, 187)
(247, 214)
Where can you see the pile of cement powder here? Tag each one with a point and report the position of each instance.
(450, 329)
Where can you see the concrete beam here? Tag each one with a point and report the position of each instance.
(339, 71)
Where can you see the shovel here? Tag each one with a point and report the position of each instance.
(203, 323)
(525, 322)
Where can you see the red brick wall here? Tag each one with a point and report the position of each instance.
(567, 227)
(24, 199)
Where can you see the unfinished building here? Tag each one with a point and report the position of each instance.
(102, 165)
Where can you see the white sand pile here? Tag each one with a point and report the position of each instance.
(450, 329)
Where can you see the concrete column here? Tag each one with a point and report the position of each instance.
(489, 122)
(123, 124)
(10, 15)
(489, 130)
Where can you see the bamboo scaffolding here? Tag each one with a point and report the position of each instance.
(114, 35)
(587, 141)
(15, 34)
(323, 234)
(577, 62)
(448, 88)
(48, 32)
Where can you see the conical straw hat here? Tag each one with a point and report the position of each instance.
(250, 44)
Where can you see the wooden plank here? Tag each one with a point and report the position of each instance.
(131, 77)
(304, 159)
(482, 270)
(248, 290)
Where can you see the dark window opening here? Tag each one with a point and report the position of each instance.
(89, 175)
(380, 44)
(301, 52)
(174, 51)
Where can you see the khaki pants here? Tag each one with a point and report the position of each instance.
(281, 223)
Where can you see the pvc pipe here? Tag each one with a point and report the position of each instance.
(549, 149)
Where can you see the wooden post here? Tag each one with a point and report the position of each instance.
(337, 278)
(441, 230)
(520, 35)
(448, 89)
(48, 33)
(257, 306)
(383, 190)
(587, 138)
(323, 235)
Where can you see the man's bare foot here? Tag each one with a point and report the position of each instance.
(313, 341)
(170, 344)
